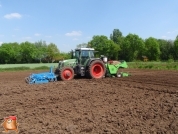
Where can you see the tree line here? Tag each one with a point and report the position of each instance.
(27, 52)
(132, 47)
(116, 47)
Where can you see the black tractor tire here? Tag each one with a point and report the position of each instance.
(97, 69)
(66, 73)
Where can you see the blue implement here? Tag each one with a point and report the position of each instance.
(40, 78)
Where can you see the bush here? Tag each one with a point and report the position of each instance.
(170, 60)
(149, 66)
(176, 67)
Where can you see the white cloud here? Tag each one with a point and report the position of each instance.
(1, 43)
(1, 35)
(13, 15)
(37, 34)
(13, 35)
(74, 33)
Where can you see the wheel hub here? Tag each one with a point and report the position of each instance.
(67, 74)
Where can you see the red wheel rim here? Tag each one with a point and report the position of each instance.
(67, 74)
(97, 70)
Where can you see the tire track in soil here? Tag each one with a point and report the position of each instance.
(149, 86)
(159, 79)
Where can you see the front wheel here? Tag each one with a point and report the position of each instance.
(67, 73)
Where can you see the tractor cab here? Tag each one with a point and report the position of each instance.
(82, 55)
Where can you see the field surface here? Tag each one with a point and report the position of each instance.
(146, 102)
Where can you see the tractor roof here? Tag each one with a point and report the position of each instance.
(84, 49)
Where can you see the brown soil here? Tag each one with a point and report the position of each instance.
(146, 102)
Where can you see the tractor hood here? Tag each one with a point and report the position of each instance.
(68, 62)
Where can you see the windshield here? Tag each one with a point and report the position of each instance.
(85, 54)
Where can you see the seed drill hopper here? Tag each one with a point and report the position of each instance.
(40, 78)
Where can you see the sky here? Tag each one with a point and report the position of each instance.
(68, 23)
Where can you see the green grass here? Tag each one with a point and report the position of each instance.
(21, 67)
(154, 65)
(31, 66)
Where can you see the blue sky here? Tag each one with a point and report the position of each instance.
(68, 23)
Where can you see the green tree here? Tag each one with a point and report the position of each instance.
(28, 52)
(62, 56)
(52, 52)
(116, 36)
(41, 47)
(165, 48)
(104, 46)
(16, 55)
(10, 53)
(65, 55)
(132, 48)
(152, 49)
(5, 53)
(176, 48)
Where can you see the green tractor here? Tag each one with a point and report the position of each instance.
(84, 63)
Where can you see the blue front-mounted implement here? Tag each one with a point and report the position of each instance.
(39, 78)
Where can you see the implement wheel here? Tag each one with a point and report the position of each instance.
(119, 73)
(67, 73)
(97, 69)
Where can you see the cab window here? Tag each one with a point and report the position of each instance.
(85, 54)
(91, 54)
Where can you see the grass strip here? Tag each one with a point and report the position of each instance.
(23, 68)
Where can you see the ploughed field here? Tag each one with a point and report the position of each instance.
(145, 102)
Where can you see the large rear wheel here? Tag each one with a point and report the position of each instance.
(97, 69)
(67, 73)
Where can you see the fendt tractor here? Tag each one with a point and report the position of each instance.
(82, 64)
